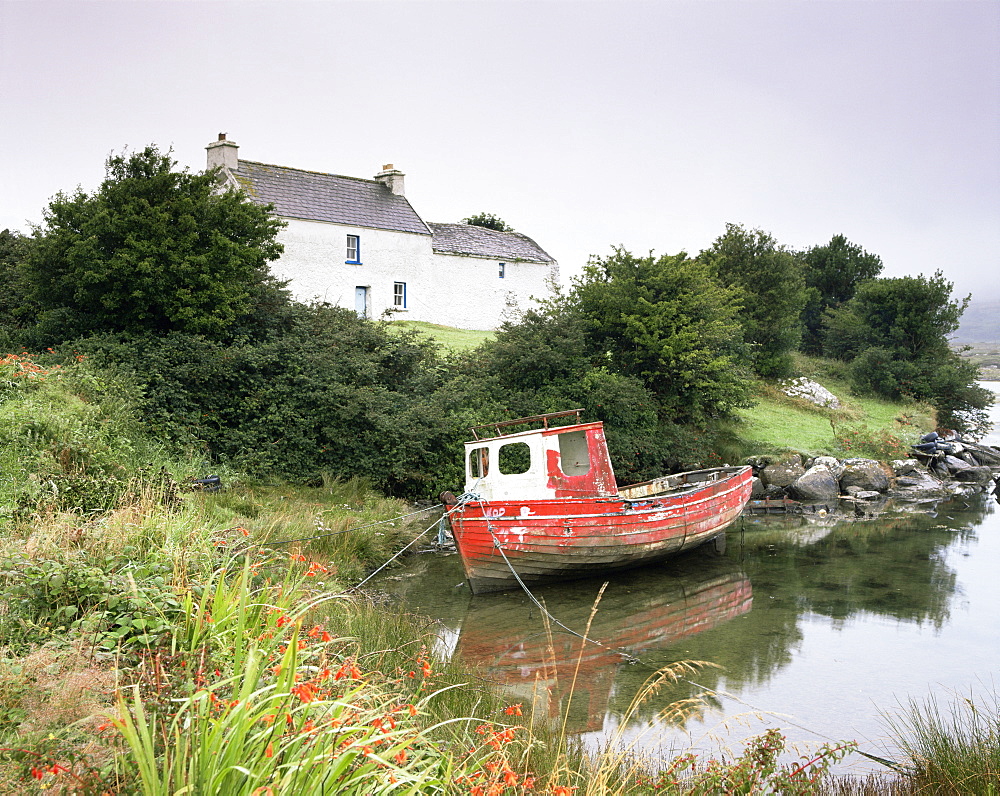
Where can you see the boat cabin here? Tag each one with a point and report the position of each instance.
(544, 463)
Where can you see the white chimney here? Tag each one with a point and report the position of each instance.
(223, 153)
(391, 178)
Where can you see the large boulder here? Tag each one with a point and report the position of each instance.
(865, 473)
(815, 485)
(919, 485)
(906, 466)
(781, 474)
(830, 463)
(955, 465)
(983, 476)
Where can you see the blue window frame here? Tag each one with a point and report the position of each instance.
(354, 249)
(399, 295)
(503, 269)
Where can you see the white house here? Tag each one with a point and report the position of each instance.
(359, 243)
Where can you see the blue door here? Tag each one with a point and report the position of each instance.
(361, 301)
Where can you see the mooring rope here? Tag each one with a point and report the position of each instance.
(349, 530)
(496, 543)
(415, 540)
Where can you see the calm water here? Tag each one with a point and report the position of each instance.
(818, 627)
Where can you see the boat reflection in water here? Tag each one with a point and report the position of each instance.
(506, 635)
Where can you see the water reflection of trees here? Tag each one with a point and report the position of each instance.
(743, 611)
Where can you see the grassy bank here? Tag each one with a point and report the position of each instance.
(858, 427)
(156, 637)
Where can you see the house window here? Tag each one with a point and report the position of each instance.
(503, 267)
(354, 249)
(399, 295)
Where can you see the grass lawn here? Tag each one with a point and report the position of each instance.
(779, 422)
(448, 336)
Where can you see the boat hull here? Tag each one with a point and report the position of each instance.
(541, 540)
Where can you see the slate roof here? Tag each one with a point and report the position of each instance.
(315, 196)
(482, 242)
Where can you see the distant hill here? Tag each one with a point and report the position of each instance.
(980, 323)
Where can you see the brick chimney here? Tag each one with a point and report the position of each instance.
(223, 153)
(391, 178)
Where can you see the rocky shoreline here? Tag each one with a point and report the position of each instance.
(938, 469)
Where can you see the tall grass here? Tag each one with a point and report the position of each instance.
(954, 749)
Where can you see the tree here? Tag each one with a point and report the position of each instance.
(911, 316)
(772, 289)
(16, 308)
(489, 221)
(667, 322)
(832, 273)
(895, 334)
(152, 250)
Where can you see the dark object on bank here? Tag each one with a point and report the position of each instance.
(211, 484)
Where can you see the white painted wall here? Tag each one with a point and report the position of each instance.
(465, 292)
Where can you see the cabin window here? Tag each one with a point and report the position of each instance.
(479, 462)
(514, 458)
(574, 456)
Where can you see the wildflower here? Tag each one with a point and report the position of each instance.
(514, 710)
(37, 773)
(366, 750)
(412, 709)
(324, 636)
(401, 757)
(510, 778)
(269, 752)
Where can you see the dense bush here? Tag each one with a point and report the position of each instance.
(894, 332)
(333, 394)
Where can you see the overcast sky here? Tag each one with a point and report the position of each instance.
(583, 124)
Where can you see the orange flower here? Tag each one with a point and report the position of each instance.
(400, 758)
(412, 709)
(514, 710)
(269, 752)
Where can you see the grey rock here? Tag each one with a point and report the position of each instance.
(975, 475)
(865, 473)
(815, 485)
(867, 495)
(919, 485)
(955, 465)
(774, 492)
(758, 462)
(852, 490)
(904, 466)
(830, 463)
(781, 474)
(756, 488)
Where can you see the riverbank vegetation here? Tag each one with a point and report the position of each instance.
(160, 635)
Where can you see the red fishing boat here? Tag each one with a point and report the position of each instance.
(544, 503)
